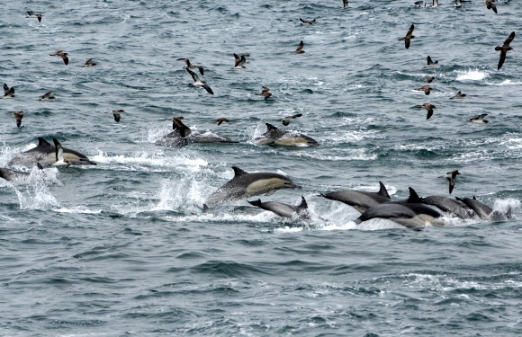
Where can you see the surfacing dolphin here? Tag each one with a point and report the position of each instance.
(360, 200)
(45, 154)
(485, 212)
(12, 175)
(246, 185)
(455, 207)
(275, 136)
(283, 210)
(182, 135)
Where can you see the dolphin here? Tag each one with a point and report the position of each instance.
(11, 175)
(275, 136)
(283, 210)
(456, 207)
(45, 154)
(485, 212)
(182, 135)
(411, 215)
(360, 200)
(245, 185)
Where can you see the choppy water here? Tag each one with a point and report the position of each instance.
(122, 248)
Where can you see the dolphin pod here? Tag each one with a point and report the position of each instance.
(360, 200)
(182, 135)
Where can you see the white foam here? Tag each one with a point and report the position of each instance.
(471, 75)
(77, 210)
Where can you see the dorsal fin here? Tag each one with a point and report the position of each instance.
(40, 167)
(184, 130)
(414, 197)
(43, 142)
(238, 172)
(474, 198)
(255, 202)
(303, 205)
(270, 127)
(383, 191)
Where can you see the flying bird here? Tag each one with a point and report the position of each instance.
(345, 3)
(198, 82)
(32, 14)
(479, 119)
(429, 107)
(89, 63)
(117, 114)
(240, 60)
(490, 4)
(265, 93)
(452, 177)
(430, 61)
(504, 49)
(64, 56)
(191, 66)
(426, 88)
(299, 49)
(408, 37)
(8, 92)
(18, 116)
(47, 96)
(458, 95)
(305, 22)
(60, 161)
(286, 120)
(220, 121)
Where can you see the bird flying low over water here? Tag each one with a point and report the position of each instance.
(286, 120)
(32, 14)
(265, 92)
(430, 61)
(426, 88)
(408, 37)
(18, 116)
(191, 66)
(299, 49)
(458, 95)
(64, 56)
(490, 4)
(452, 177)
(504, 49)
(305, 22)
(117, 114)
(8, 92)
(429, 79)
(479, 119)
(198, 82)
(89, 63)
(47, 96)
(429, 107)
(240, 61)
(220, 121)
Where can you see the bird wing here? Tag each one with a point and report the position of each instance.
(208, 89)
(410, 31)
(407, 43)
(430, 62)
(509, 39)
(300, 47)
(6, 89)
(502, 59)
(201, 70)
(195, 77)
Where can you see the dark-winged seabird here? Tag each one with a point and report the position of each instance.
(89, 63)
(240, 60)
(32, 14)
(286, 120)
(452, 177)
(345, 3)
(435, 3)
(64, 56)
(299, 49)
(18, 116)
(8, 92)
(479, 119)
(429, 79)
(429, 107)
(60, 161)
(265, 93)
(220, 121)
(426, 88)
(117, 114)
(408, 37)
(198, 82)
(47, 96)
(504, 49)
(305, 22)
(458, 95)
(420, 3)
(490, 4)
(458, 3)
(191, 66)
(430, 61)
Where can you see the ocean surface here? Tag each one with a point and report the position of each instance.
(124, 249)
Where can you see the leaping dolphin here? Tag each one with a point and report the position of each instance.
(283, 210)
(483, 211)
(245, 185)
(360, 200)
(275, 136)
(45, 154)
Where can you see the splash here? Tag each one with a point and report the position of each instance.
(471, 75)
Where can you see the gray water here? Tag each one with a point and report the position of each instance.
(123, 249)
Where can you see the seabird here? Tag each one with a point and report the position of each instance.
(504, 49)
(63, 55)
(286, 120)
(220, 121)
(435, 3)
(430, 61)
(429, 79)
(458, 3)
(479, 119)
(59, 155)
(89, 63)
(240, 60)
(265, 93)
(8, 92)
(452, 177)
(425, 88)
(420, 3)
(305, 22)
(490, 4)
(117, 114)
(198, 82)
(47, 96)
(408, 37)
(345, 3)
(299, 49)
(191, 66)
(458, 95)
(428, 107)
(18, 116)
(32, 14)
